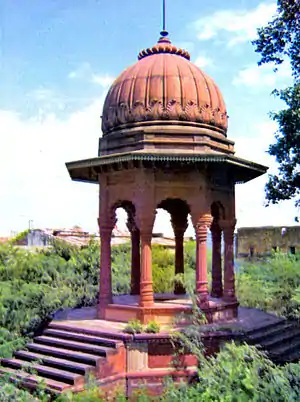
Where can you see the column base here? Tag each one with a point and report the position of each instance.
(179, 289)
(101, 312)
(135, 292)
(146, 294)
(222, 311)
(231, 298)
(216, 293)
(203, 300)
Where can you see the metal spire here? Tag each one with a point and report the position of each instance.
(164, 32)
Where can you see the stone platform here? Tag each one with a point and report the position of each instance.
(76, 344)
(248, 319)
(166, 308)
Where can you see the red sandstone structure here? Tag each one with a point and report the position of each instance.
(165, 145)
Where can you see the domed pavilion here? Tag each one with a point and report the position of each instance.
(165, 145)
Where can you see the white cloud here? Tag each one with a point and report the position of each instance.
(85, 72)
(103, 80)
(203, 61)
(250, 197)
(240, 25)
(47, 99)
(36, 184)
(256, 76)
(187, 45)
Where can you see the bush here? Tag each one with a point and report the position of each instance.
(238, 373)
(134, 327)
(272, 285)
(152, 327)
(33, 285)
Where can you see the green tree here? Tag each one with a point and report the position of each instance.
(279, 42)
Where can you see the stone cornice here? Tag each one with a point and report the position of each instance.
(119, 158)
(240, 170)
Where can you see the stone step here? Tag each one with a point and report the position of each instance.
(120, 336)
(265, 327)
(72, 355)
(68, 365)
(45, 371)
(280, 339)
(280, 351)
(262, 335)
(293, 357)
(89, 339)
(72, 345)
(31, 381)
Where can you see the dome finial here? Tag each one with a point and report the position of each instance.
(164, 33)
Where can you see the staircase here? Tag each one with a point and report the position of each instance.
(63, 357)
(281, 341)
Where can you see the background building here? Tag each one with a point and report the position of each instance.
(259, 241)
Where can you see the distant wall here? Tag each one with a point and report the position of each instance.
(256, 242)
(37, 238)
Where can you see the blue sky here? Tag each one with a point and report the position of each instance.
(57, 60)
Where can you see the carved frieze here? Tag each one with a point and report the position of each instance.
(118, 114)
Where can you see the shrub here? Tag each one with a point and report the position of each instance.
(152, 327)
(271, 285)
(238, 373)
(134, 327)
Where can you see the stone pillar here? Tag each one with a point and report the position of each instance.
(146, 284)
(201, 229)
(145, 210)
(229, 277)
(217, 287)
(179, 224)
(135, 257)
(105, 294)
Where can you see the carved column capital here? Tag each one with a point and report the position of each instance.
(131, 224)
(106, 226)
(145, 222)
(202, 226)
(227, 224)
(228, 227)
(179, 224)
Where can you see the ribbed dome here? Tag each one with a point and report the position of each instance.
(163, 85)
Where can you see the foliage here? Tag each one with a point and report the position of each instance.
(272, 285)
(19, 236)
(279, 42)
(163, 269)
(121, 267)
(281, 37)
(33, 285)
(152, 327)
(11, 393)
(286, 150)
(134, 327)
(239, 373)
